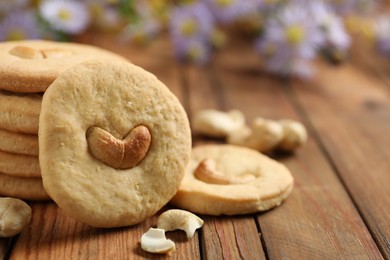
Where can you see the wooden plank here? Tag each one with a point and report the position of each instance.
(53, 235)
(318, 220)
(222, 237)
(351, 112)
(231, 238)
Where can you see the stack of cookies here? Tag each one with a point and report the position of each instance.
(27, 69)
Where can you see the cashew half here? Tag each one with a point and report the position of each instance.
(15, 214)
(179, 219)
(119, 154)
(207, 172)
(294, 135)
(154, 241)
(217, 123)
(264, 135)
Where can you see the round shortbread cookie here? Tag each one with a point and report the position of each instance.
(20, 112)
(113, 143)
(22, 188)
(32, 65)
(230, 180)
(19, 143)
(19, 165)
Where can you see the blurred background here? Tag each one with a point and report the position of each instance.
(287, 35)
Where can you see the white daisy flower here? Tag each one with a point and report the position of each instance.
(67, 16)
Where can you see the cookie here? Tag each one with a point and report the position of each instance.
(19, 165)
(19, 143)
(22, 188)
(113, 143)
(230, 180)
(20, 112)
(32, 65)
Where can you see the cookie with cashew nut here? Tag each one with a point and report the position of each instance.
(32, 65)
(232, 180)
(113, 143)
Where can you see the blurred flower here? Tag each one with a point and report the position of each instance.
(290, 40)
(227, 11)
(19, 25)
(8, 5)
(191, 27)
(191, 20)
(337, 40)
(66, 16)
(192, 50)
(382, 34)
(143, 29)
(346, 7)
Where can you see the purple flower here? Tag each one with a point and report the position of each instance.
(290, 40)
(346, 7)
(9, 5)
(331, 26)
(19, 25)
(145, 28)
(191, 20)
(382, 34)
(193, 50)
(191, 28)
(227, 11)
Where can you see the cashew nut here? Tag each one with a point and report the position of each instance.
(15, 214)
(154, 241)
(294, 135)
(264, 135)
(25, 52)
(179, 219)
(119, 154)
(217, 123)
(207, 172)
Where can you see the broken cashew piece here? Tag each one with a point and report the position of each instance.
(207, 172)
(179, 219)
(15, 215)
(154, 241)
(119, 154)
(216, 123)
(294, 135)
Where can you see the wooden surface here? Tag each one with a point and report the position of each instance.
(340, 205)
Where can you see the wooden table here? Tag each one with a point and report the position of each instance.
(340, 205)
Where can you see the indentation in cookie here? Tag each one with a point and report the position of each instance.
(207, 172)
(25, 52)
(119, 154)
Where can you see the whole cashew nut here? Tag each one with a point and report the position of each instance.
(217, 123)
(15, 215)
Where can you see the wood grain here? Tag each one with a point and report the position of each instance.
(353, 130)
(222, 237)
(318, 220)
